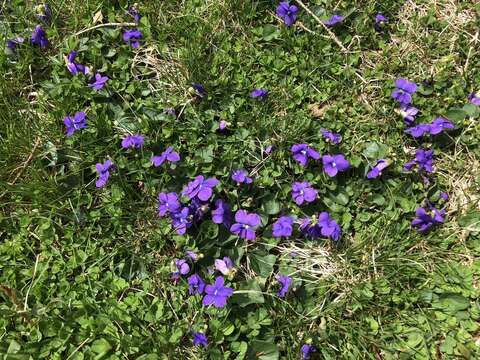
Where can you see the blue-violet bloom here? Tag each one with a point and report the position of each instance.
(302, 152)
(307, 349)
(427, 218)
(132, 37)
(103, 173)
(200, 339)
(196, 285)
(200, 187)
(168, 155)
(99, 82)
(303, 192)
(224, 265)
(240, 176)
(217, 294)
(474, 98)
(245, 224)
(403, 92)
(133, 141)
(168, 203)
(287, 12)
(259, 93)
(283, 227)
(79, 121)
(222, 214)
(333, 20)
(330, 136)
(377, 169)
(285, 282)
(39, 37)
(332, 164)
(408, 113)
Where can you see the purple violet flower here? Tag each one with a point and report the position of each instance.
(423, 159)
(408, 113)
(302, 152)
(333, 138)
(333, 20)
(380, 21)
(132, 37)
(329, 227)
(222, 214)
(181, 220)
(196, 285)
(182, 266)
(285, 282)
(287, 12)
(310, 227)
(377, 169)
(100, 82)
(168, 155)
(199, 90)
(198, 209)
(245, 224)
(133, 12)
(79, 121)
(419, 130)
(200, 339)
(403, 92)
(224, 265)
(73, 67)
(133, 141)
(332, 164)
(259, 93)
(103, 173)
(168, 203)
(302, 192)
(191, 254)
(222, 125)
(240, 176)
(474, 98)
(268, 150)
(440, 124)
(12, 44)
(444, 196)
(217, 294)
(283, 227)
(200, 187)
(379, 18)
(427, 218)
(307, 349)
(324, 225)
(39, 37)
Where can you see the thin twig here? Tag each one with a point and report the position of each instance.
(25, 305)
(330, 33)
(105, 25)
(79, 347)
(24, 165)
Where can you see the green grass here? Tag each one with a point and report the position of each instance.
(85, 272)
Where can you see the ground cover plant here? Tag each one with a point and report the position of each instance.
(240, 180)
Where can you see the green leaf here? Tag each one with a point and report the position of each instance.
(249, 293)
(471, 221)
(471, 110)
(270, 32)
(271, 207)
(375, 150)
(456, 115)
(101, 347)
(261, 264)
(451, 303)
(263, 350)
